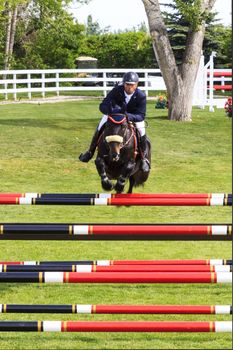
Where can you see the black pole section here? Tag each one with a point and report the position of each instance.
(62, 201)
(28, 229)
(76, 262)
(38, 268)
(16, 326)
(8, 277)
(68, 195)
(33, 309)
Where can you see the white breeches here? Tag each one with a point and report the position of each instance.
(139, 125)
(141, 128)
(102, 122)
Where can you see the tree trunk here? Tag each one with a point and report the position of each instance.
(13, 29)
(7, 41)
(10, 35)
(179, 81)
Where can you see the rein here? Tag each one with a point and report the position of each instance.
(133, 135)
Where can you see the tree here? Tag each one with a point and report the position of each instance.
(12, 11)
(93, 28)
(180, 80)
(122, 50)
(216, 36)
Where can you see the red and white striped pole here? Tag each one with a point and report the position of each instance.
(116, 268)
(127, 201)
(204, 262)
(115, 326)
(118, 309)
(116, 277)
(213, 196)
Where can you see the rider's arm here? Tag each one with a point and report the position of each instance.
(139, 112)
(108, 102)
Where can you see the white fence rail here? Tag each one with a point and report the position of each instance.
(58, 80)
(16, 82)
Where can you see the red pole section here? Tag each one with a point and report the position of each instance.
(137, 326)
(9, 200)
(11, 262)
(160, 201)
(169, 195)
(146, 277)
(147, 230)
(14, 195)
(160, 309)
(152, 268)
(170, 262)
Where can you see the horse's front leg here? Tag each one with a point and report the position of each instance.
(125, 174)
(105, 182)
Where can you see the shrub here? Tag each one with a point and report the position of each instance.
(161, 102)
(228, 107)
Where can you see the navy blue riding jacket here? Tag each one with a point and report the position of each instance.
(115, 102)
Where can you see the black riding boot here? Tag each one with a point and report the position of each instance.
(85, 157)
(145, 164)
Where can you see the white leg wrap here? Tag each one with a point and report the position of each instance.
(102, 122)
(141, 128)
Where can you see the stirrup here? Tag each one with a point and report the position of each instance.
(145, 165)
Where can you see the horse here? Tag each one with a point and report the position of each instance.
(118, 156)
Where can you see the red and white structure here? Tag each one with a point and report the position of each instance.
(115, 326)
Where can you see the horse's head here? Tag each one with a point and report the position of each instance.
(115, 132)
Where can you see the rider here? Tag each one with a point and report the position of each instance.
(125, 98)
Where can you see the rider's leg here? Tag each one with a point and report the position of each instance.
(85, 157)
(145, 164)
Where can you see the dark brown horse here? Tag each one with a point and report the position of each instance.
(118, 155)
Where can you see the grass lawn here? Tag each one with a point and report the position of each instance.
(38, 153)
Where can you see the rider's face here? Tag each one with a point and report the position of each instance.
(130, 88)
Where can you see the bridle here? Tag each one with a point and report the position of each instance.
(120, 139)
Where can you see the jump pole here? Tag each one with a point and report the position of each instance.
(116, 268)
(115, 231)
(115, 326)
(118, 309)
(118, 201)
(204, 262)
(116, 277)
(118, 195)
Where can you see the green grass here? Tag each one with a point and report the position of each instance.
(38, 153)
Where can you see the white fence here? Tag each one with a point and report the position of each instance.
(64, 80)
(208, 79)
(58, 80)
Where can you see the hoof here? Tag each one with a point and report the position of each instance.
(119, 187)
(107, 185)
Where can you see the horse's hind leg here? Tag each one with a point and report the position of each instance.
(131, 184)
